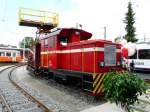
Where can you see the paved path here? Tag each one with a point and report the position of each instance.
(143, 75)
(143, 105)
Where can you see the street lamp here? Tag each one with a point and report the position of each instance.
(104, 32)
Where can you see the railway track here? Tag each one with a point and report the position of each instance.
(14, 98)
(147, 80)
(6, 64)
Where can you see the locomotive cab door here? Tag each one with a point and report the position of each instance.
(37, 56)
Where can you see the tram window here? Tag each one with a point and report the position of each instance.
(63, 41)
(52, 42)
(134, 56)
(2, 53)
(144, 54)
(8, 54)
(14, 54)
(46, 43)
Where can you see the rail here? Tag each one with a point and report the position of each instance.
(5, 103)
(40, 104)
(32, 98)
(1, 96)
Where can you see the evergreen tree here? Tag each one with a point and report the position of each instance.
(129, 21)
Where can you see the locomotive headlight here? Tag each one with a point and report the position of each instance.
(101, 64)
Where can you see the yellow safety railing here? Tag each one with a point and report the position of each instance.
(43, 17)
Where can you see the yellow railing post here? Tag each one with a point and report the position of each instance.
(19, 13)
(82, 59)
(94, 61)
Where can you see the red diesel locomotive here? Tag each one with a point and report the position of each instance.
(67, 52)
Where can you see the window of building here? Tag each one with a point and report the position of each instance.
(2, 54)
(144, 54)
(52, 42)
(46, 43)
(8, 54)
(134, 56)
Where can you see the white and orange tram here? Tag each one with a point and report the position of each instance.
(10, 54)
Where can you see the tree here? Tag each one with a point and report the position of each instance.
(28, 42)
(129, 21)
(123, 88)
(117, 39)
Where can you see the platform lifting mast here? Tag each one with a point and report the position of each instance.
(44, 21)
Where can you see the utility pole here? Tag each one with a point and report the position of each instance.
(104, 32)
(80, 25)
(24, 51)
(76, 25)
(144, 37)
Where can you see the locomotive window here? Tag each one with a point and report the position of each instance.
(18, 53)
(134, 56)
(52, 42)
(81, 39)
(63, 40)
(144, 54)
(2, 53)
(8, 54)
(14, 54)
(46, 43)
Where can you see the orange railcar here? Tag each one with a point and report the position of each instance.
(10, 54)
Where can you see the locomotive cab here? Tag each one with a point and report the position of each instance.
(67, 36)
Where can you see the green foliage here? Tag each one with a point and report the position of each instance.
(129, 21)
(36, 41)
(28, 42)
(118, 38)
(123, 89)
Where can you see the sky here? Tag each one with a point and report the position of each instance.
(94, 15)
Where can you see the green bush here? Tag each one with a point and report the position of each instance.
(123, 88)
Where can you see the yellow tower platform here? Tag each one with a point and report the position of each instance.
(43, 20)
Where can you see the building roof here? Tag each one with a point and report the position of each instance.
(7, 46)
